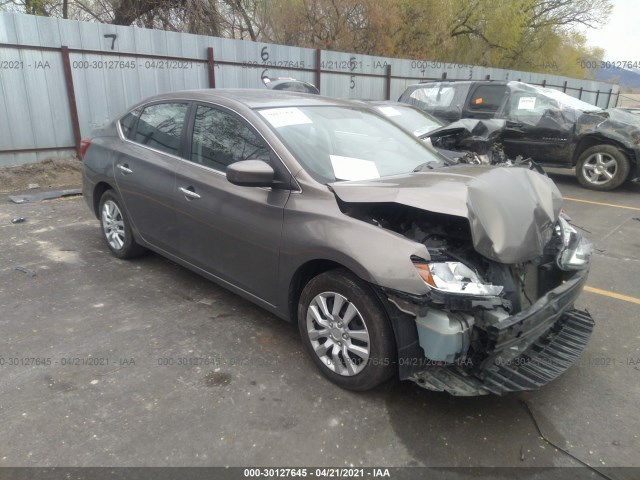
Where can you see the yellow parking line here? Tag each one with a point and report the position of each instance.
(617, 296)
(603, 204)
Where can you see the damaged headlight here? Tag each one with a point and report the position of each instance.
(455, 277)
(575, 252)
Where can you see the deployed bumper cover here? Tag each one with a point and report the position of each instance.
(525, 351)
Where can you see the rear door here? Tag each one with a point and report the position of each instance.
(145, 170)
(484, 100)
(229, 231)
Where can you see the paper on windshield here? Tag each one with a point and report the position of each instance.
(389, 111)
(283, 117)
(527, 103)
(348, 168)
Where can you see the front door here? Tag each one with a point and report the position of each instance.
(538, 128)
(229, 231)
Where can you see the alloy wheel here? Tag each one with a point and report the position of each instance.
(599, 168)
(338, 334)
(113, 225)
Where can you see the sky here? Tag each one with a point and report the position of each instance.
(620, 37)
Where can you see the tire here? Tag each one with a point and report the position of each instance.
(603, 167)
(362, 350)
(116, 228)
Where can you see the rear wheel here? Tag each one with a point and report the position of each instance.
(603, 167)
(116, 228)
(345, 331)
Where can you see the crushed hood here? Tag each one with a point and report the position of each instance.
(511, 211)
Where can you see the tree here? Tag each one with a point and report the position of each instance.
(532, 35)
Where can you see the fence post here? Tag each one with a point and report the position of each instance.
(488, 77)
(580, 94)
(318, 67)
(609, 98)
(71, 95)
(564, 87)
(388, 85)
(212, 72)
(597, 97)
(444, 75)
(544, 83)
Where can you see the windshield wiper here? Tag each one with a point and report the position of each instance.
(425, 166)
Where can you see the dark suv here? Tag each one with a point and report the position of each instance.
(552, 128)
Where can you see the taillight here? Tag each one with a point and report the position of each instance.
(84, 144)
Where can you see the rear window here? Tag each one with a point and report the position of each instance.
(434, 96)
(160, 126)
(487, 98)
(128, 123)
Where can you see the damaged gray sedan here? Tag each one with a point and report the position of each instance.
(461, 278)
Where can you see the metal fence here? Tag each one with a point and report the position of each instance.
(59, 78)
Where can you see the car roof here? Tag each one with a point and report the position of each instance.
(458, 82)
(251, 98)
(383, 103)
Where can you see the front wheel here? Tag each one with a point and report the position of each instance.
(603, 167)
(346, 331)
(116, 229)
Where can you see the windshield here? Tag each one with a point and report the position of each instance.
(410, 119)
(343, 143)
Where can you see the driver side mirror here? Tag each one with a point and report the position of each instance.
(250, 173)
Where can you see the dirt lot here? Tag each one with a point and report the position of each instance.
(48, 174)
(144, 363)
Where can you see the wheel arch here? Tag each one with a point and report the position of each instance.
(312, 268)
(98, 191)
(593, 140)
(303, 274)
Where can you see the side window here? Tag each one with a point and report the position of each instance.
(160, 126)
(220, 139)
(128, 122)
(487, 98)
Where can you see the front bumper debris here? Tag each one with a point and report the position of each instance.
(541, 363)
(524, 351)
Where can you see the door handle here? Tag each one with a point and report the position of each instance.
(189, 193)
(125, 169)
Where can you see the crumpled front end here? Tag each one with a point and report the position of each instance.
(486, 327)
(501, 271)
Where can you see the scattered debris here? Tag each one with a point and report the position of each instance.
(32, 186)
(581, 228)
(636, 218)
(18, 220)
(558, 447)
(30, 273)
(522, 453)
(37, 197)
